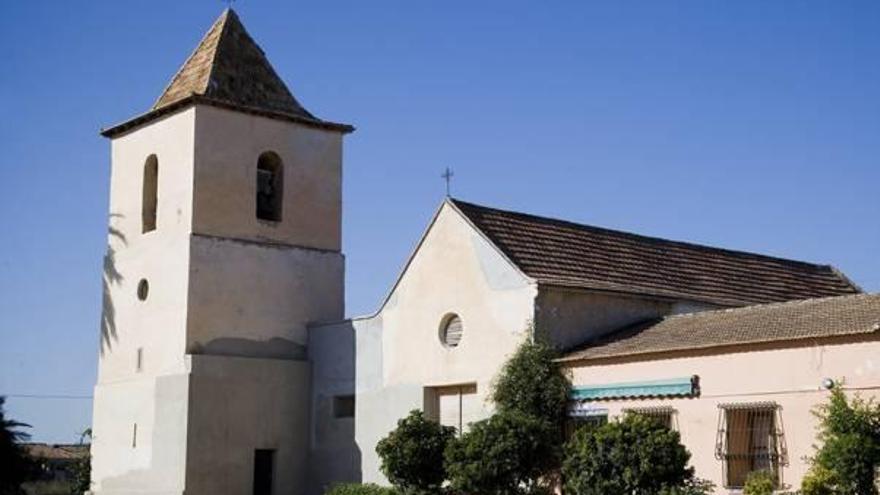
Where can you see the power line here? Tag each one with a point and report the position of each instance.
(46, 396)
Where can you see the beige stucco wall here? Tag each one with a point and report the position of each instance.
(398, 351)
(789, 376)
(237, 405)
(255, 300)
(227, 146)
(569, 318)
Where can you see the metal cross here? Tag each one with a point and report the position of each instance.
(448, 174)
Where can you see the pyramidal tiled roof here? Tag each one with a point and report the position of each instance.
(228, 65)
(559, 253)
(228, 69)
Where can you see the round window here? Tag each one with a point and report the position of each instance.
(451, 330)
(143, 289)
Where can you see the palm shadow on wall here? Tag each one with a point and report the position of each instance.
(111, 276)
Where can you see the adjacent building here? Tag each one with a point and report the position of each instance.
(227, 366)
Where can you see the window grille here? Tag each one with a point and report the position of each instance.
(750, 438)
(664, 415)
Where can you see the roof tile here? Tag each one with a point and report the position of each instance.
(556, 252)
(764, 323)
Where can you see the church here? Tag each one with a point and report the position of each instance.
(227, 364)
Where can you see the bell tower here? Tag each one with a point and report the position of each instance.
(224, 244)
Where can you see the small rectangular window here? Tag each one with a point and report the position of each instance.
(139, 361)
(264, 467)
(749, 439)
(343, 406)
(134, 436)
(664, 415)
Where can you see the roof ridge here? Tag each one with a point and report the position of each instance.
(688, 244)
(186, 61)
(212, 66)
(795, 302)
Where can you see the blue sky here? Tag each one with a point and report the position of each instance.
(751, 125)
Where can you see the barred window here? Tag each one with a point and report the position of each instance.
(750, 438)
(664, 415)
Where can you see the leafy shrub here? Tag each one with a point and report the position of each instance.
(532, 383)
(412, 454)
(818, 481)
(503, 455)
(632, 455)
(358, 489)
(850, 451)
(693, 486)
(759, 483)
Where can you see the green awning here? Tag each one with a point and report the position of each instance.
(673, 387)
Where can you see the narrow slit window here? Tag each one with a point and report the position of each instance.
(139, 361)
(150, 194)
(134, 436)
(270, 187)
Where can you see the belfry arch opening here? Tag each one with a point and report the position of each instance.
(270, 186)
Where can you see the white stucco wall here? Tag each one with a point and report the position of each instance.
(454, 270)
(223, 329)
(155, 461)
(790, 376)
(153, 397)
(333, 455)
(160, 256)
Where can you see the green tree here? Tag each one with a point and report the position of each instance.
(506, 454)
(412, 454)
(632, 455)
(14, 461)
(532, 383)
(849, 433)
(82, 467)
